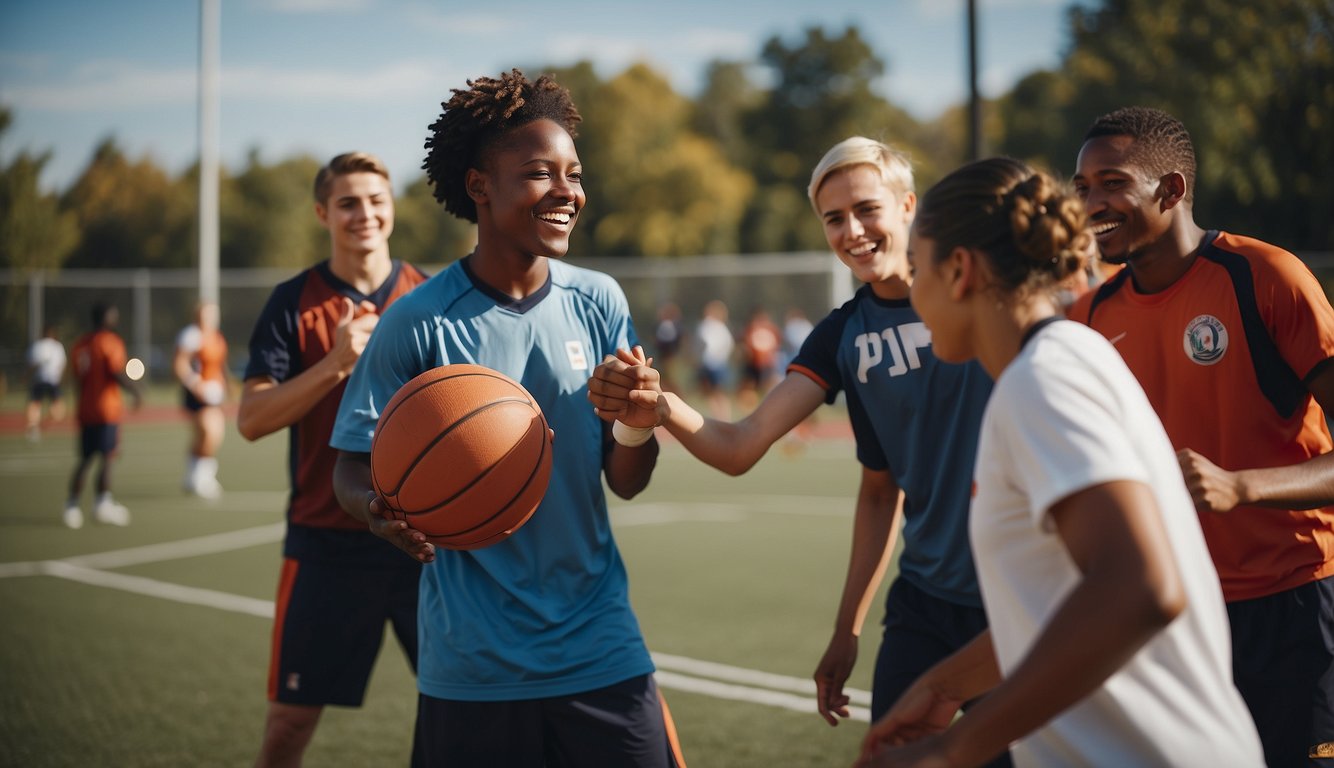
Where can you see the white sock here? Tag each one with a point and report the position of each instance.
(207, 466)
(105, 498)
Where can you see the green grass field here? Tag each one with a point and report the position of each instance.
(158, 657)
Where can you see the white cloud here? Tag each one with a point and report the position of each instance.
(108, 85)
(394, 81)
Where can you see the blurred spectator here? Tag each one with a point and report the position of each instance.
(46, 366)
(668, 336)
(200, 366)
(715, 357)
(762, 345)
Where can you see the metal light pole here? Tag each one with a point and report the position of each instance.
(209, 18)
(974, 98)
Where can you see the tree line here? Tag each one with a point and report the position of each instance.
(726, 172)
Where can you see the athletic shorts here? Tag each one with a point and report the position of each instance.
(329, 625)
(1283, 664)
(43, 390)
(98, 438)
(194, 404)
(920, 630)
(625, 725)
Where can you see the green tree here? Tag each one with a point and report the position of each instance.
(130, 214)
(823, 93)
(1253, 82)
(267, 217)
(655, 187)
(424, 233)
(34, 232)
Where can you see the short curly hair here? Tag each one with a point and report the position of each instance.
(1162, 143)
(474, 120)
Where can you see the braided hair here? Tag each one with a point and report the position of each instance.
(1033, 231)
(1162, 144)
(476, 119)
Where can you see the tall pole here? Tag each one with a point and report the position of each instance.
(974, 98)
(209, 17)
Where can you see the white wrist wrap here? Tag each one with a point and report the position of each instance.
(630, 437)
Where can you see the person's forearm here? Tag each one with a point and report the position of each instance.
(352, 484)
(873, 534)
(629, 469)
(268, 407)
(1307, 485)
(730, 447)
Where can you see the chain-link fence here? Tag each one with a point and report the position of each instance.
(155, 304)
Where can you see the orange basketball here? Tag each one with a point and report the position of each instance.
(463, 454)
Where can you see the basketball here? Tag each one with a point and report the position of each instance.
(463, 454)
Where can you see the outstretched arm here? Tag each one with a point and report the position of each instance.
(1306, 485)
(619, 388)
(1130, 589)
(879, 506)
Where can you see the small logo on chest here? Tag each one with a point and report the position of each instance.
(574, 350)
(1205, 340)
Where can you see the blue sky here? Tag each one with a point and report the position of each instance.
(327, 76)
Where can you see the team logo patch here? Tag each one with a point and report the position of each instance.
(1205, 341)
(575, 351)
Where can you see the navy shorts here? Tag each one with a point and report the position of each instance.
(625, 725)
(1283, 664)
(920, 631)
(98, 438)
(43, 390)
(329, 626)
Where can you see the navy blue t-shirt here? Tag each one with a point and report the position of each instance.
(912, 415)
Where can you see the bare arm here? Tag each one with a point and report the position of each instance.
(355, 494)
(1306, 485)
(879, 506)
(268, 406)
(735, 447)
(621, 390)
(1129, 591)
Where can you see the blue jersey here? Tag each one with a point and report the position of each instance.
(545, 612)
(915, 416)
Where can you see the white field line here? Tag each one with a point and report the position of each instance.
(152, 588)
(203, 545)
(729, 682)
(802, 685)
(750, 695)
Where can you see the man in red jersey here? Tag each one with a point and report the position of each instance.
(1231, 339)
(340, 583)
(99, 367)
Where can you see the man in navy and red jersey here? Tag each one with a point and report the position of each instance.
(339, 581)
(1231, 339)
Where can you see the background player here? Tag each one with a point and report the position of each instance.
(339, 584)
(1231, 339)
(1107, 643)
(200, 365)
(915, 420)
(530, 651)
(46, 367)
(99, 369)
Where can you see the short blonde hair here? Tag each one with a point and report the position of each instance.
(893, 165)
(342, 165)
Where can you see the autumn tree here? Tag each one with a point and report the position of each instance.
(130, 214)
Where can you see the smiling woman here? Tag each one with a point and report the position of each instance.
(530, 652)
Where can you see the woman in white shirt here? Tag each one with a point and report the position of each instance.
(1108, 640)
